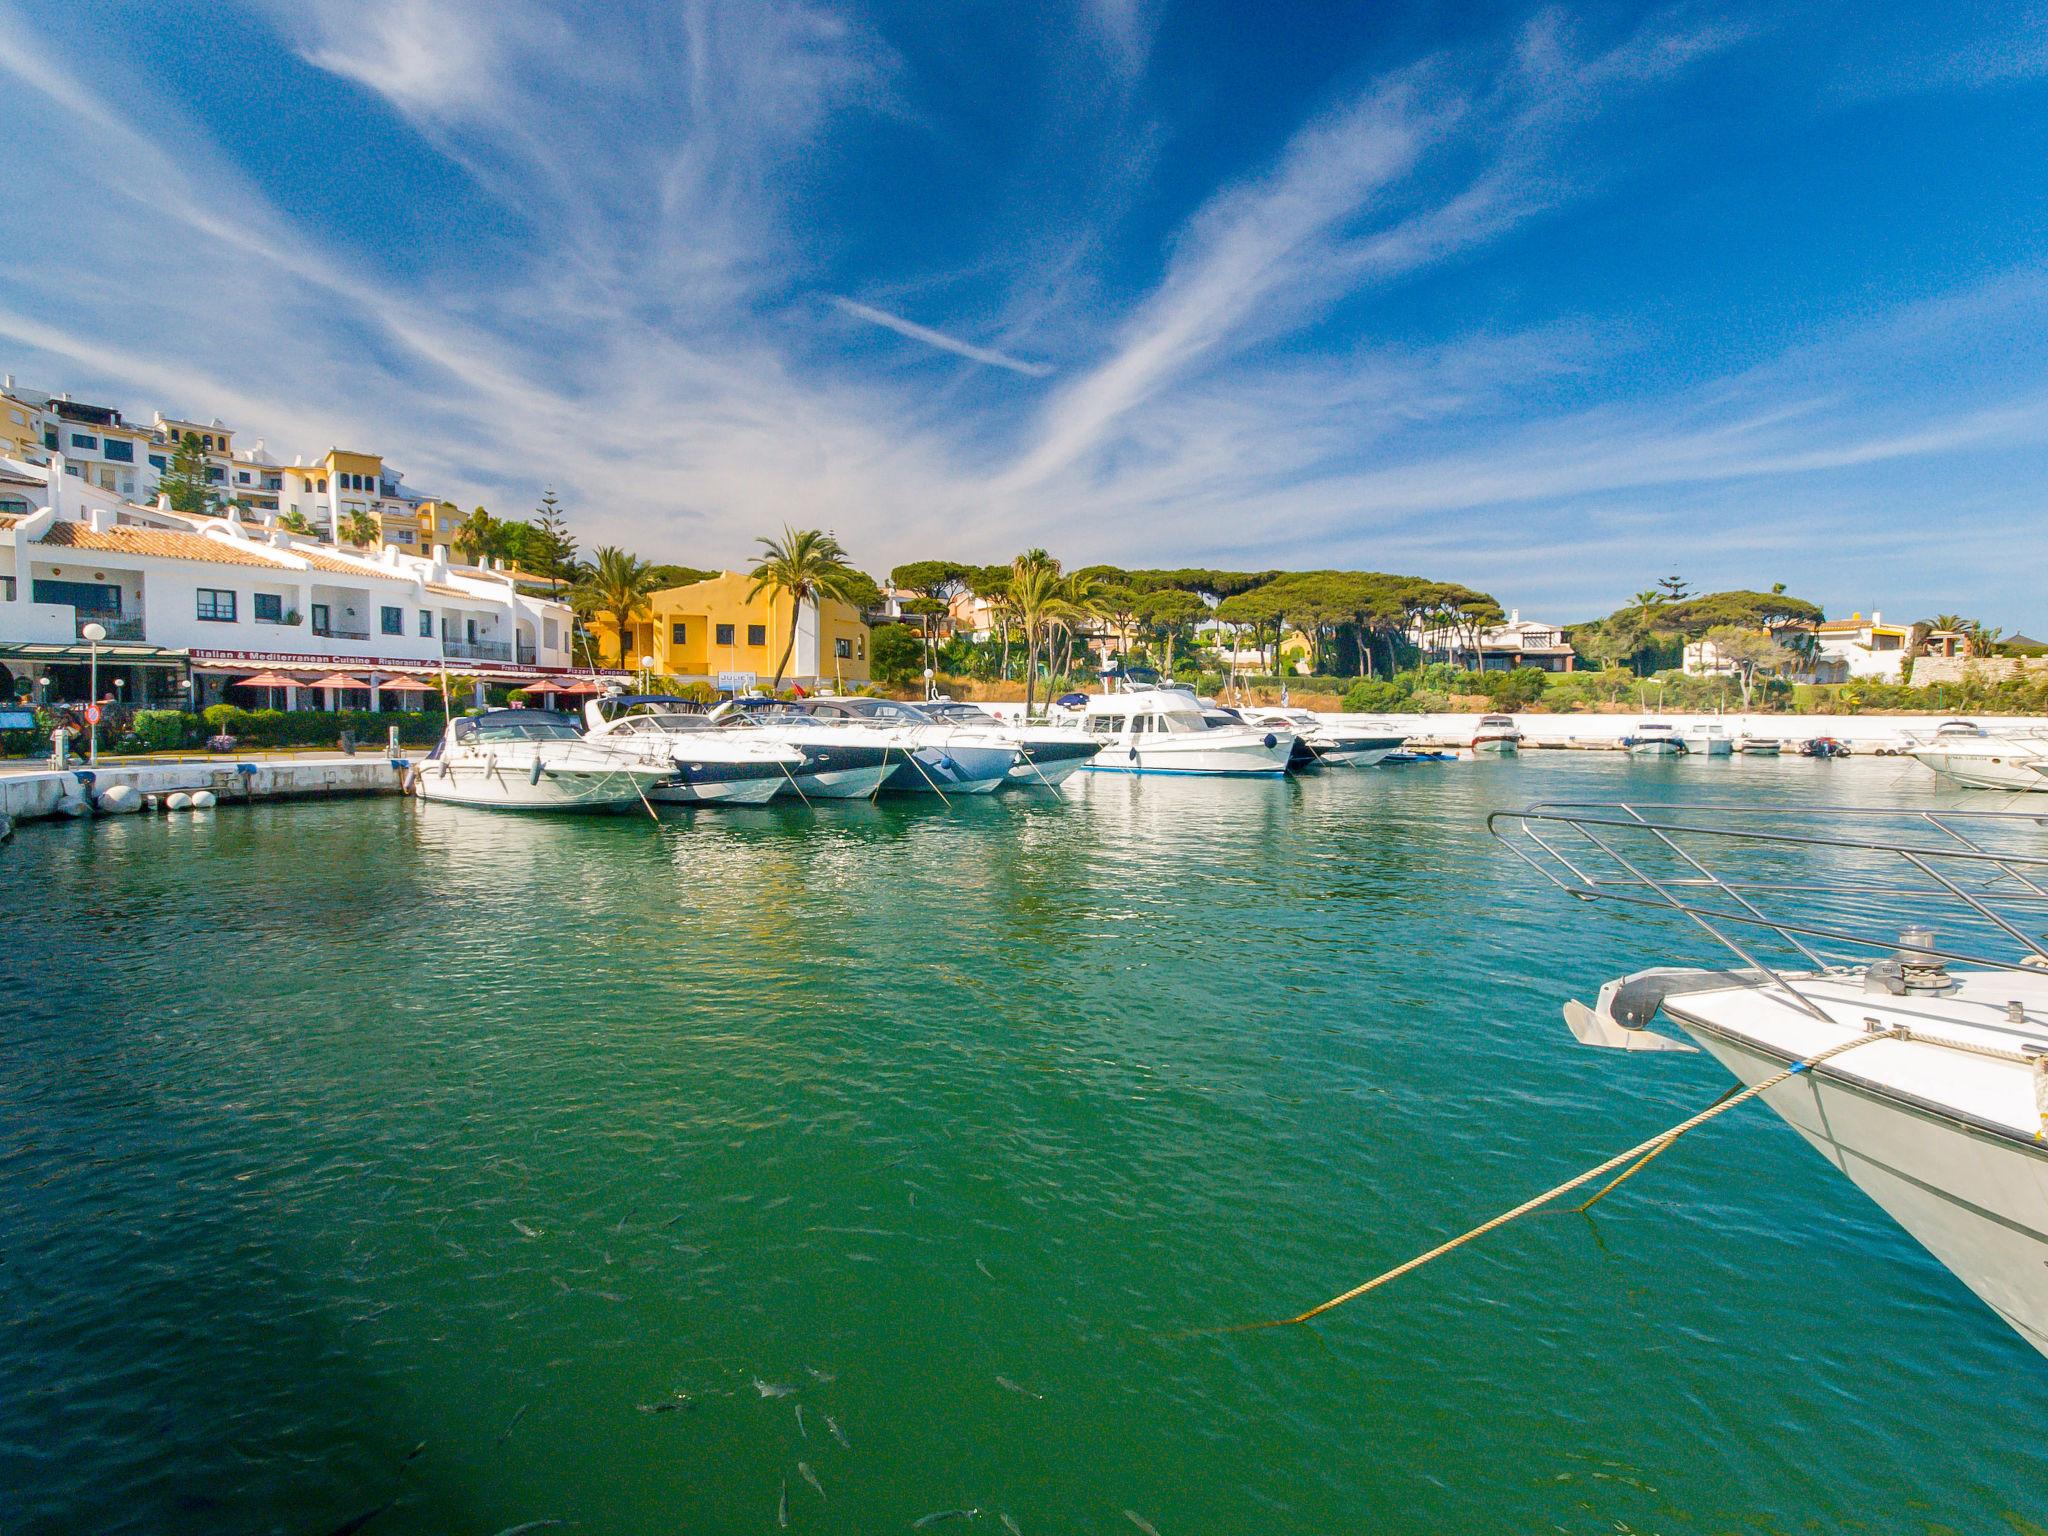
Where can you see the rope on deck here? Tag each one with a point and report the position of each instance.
(1643, 1150)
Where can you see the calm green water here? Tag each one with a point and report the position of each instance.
(337, 1130)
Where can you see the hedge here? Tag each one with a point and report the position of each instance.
(317, 728)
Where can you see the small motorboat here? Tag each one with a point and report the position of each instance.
(1496, 735)
(1654, 738)
(534, 760)
(1758, 746)
(1709, 738)
(1824, 747)
(1321, 744)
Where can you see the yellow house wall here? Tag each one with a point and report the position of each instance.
(702, 606)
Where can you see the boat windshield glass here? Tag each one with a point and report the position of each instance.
(517, 725)
(881, 711)
(948, 709)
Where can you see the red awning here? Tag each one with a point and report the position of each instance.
(582, 685)
(336, 680)
(405, 685)
(266, 680)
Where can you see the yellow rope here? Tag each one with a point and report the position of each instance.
(1643, 1149)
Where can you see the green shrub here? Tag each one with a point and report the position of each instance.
(225, 719)
(163, 730)
(1374, 696)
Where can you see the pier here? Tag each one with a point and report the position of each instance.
(53, 792)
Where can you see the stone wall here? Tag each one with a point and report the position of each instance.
(1992, 669)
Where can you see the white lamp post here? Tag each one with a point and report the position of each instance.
(646, 667)
(94, 633)
(928, 676)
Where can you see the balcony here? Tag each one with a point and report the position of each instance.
(526, 653)
(476, 650)
(116, 628)
(334, 632)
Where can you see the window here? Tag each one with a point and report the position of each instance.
(6, 589)
(241, 475)
(394, 621)
(757, 634)
(85, 596)
(426, 625)
(322, 487)
(120, 450)
(269, 608)
(159, 463)
(725, 634)
(843, 649)
(678, 633)
(49, 437)
(215, 472)
(17, 505)
(84, 440)
(217, 605)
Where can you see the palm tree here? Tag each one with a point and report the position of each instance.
(806, 566)
(618, 584)
(1038, 598)
(294, 521)
(359, 529)
(478, 536)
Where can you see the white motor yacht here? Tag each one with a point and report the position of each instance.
(534, 760)
(925, 756)
(1654, 738)
(1167, 730)
(840, 762)
(1046, 753)
(1319, 743)
(711, 766)
(1709, 738)
(1914, 1058)
(1497, 735)
(1964, 753)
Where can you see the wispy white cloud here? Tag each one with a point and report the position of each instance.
(651, 342)
(939, 339)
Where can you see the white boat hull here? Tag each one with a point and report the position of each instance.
(841, 783)
(757, 791)
(509, 786)
(1654, 749)
(1160, 755)
(1982, 770)
(1977, 1199)
(1496, 746)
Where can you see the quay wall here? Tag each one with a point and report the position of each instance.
(26, 796)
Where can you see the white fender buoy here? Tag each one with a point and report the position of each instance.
(538, 769)
(178, 801)
(204, 800)
(120, 800)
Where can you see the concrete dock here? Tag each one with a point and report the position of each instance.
(27, 796)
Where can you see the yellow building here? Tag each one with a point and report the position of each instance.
(21, 428)
(711, 627)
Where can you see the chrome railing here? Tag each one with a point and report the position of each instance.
(116, 628)
(476, 650)
(1963, 886)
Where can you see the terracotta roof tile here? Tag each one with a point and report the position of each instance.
(156, 542)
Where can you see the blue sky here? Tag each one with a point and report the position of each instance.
(1552, 300)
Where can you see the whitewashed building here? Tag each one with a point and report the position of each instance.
(191, 604)
(1504, 647)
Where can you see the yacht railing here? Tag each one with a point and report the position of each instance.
(1920, 887)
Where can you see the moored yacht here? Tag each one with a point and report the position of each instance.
(534, 760)
(710, 766)
(1322, 743)
(1964, 753)
(840, 762)
(1910, 1057)
(1654, 738)
(1046, 753)
(1167, 731)
(1497, 735)
(926, 756)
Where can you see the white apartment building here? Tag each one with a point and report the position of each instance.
(191, 604)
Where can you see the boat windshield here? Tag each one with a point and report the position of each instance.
(949, 709)
(661, 721)
(502, 725)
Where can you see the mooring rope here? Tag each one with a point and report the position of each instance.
(1643, 1150)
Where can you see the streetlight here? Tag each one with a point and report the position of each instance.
(928, 676)
(94, 633)
(646, 666)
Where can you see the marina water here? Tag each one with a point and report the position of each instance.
(369, 1151)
